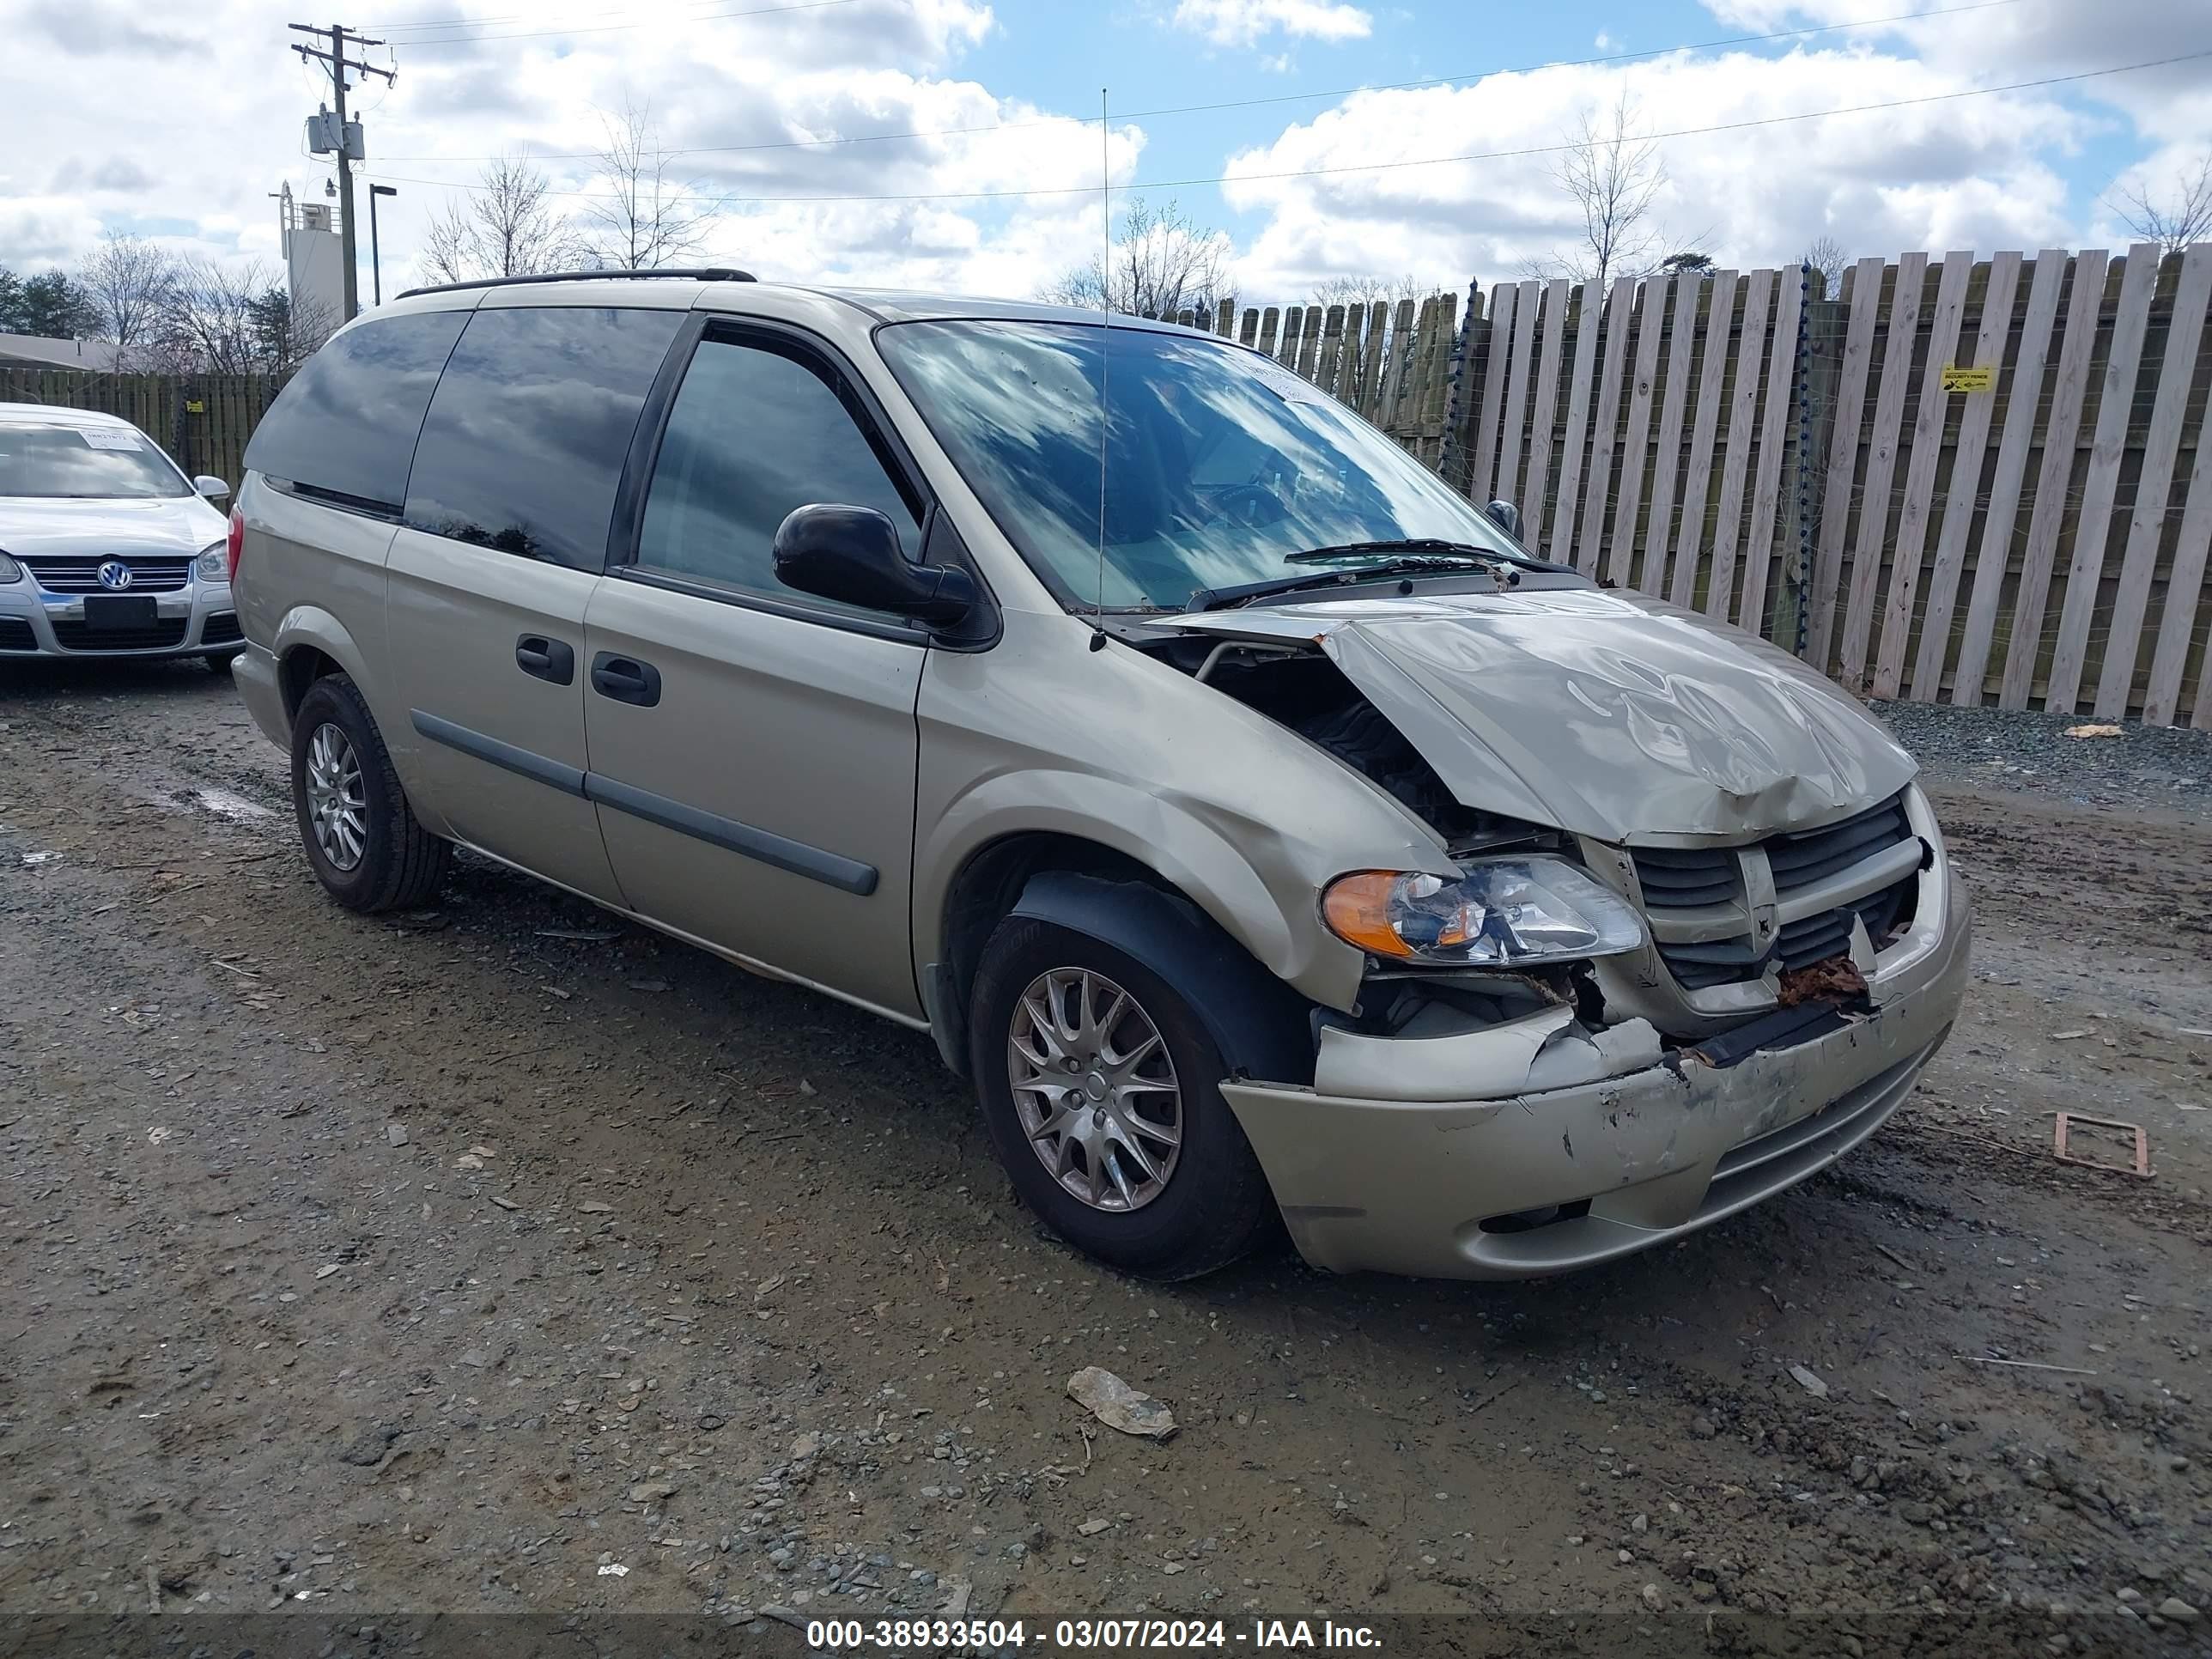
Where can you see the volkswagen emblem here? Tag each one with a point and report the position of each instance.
(114, 575)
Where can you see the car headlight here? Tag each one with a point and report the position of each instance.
(213, 564)
(9, 570)
(1498, 913)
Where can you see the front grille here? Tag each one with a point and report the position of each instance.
(16, 634)
(82, 575)
(162, 635)
(1815, 939)
(1799, 859)
(1679, 878)
(221, 629)
(1677, 881)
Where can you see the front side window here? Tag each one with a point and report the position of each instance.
(755, 432)
(345, 424)
(525, 439)
(84, 463)
(1219, 464)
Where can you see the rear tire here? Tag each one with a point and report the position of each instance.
(1212, 1203)
(362, 839)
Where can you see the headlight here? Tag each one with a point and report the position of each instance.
(1500, 913)
(213, 564)
(9, 570)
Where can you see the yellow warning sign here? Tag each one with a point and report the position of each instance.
(194, 406)
(1983, 379)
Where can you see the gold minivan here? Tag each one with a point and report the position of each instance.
(1262, 829)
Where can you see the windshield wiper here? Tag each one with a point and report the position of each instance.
(1467, 551)
(1220, 598)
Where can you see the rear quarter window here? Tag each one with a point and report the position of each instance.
(345, 424)
(525, 439)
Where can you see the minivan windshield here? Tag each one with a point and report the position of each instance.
(83, 462)
(1220, 465)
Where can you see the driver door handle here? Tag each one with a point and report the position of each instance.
(626, 679)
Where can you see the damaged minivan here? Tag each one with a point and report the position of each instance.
(1257, 824)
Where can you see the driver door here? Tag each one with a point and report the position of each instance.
(753, 748)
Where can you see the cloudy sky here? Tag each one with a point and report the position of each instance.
(799, 123)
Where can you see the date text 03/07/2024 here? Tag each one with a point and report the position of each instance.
(993, 1635)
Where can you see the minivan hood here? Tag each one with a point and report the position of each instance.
(1597, 711)
(32, 525)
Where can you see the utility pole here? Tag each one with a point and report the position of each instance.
(376, 252)
(340, 38)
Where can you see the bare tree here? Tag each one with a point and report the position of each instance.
(207, 323)
(503, 227)
(1162, 262)
(130, 279)
(2172, 221)
(1827, 258)
(646, 218)
(1613, 177)
(1363, 291)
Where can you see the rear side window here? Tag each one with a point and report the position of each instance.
(345, 424)
(525, 439)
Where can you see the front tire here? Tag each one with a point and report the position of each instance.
(362, 839)
(1102, 1090)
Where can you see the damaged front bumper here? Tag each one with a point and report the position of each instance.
(1603, 1148)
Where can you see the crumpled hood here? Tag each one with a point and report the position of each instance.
(1598, 711)
(169, 524)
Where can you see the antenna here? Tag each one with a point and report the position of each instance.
(1105, 332)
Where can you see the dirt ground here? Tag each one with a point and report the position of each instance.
(507, 1258)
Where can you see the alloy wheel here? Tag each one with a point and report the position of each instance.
(337, 798)
(1096, 1089)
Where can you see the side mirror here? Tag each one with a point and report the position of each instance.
(1506, 517)
(211, 487)
(851, 554)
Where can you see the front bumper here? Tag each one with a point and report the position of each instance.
(1405, 1187)
(197, 618)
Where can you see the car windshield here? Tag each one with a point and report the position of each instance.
(1220, 465)
(83, 461)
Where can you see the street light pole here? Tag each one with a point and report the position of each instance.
(376, 254)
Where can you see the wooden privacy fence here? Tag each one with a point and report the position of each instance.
(1972, 481)
(203, 421)
(1963, 480)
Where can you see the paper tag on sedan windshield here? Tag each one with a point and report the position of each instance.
(1288, 386)
(109, 437)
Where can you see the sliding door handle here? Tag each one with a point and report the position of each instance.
(546, 659)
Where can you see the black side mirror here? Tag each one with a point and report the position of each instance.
(1506, 517)
(852, 554)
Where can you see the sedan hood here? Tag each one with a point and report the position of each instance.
(169, 524)
(1600, 712)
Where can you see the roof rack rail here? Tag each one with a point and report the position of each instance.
(702, 274)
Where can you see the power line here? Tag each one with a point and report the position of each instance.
(1385, 167)
(609, 28)
(1277, 98)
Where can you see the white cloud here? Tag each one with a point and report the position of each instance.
(195, 171)
(1243, 22)
(1971, 173)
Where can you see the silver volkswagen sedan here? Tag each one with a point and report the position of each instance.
(107, 548)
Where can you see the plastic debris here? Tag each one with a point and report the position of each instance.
(1118, 1406)
(2093, 731)
(613, 1570)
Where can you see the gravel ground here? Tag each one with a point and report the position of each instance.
(2143, 767)
(368, 1276)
